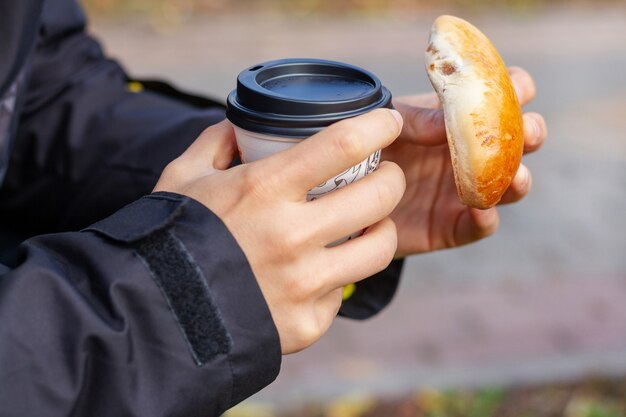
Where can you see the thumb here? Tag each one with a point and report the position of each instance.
(474, 224)
(214, 148)
(422, 126)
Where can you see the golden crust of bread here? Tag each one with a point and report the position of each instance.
(482, 112)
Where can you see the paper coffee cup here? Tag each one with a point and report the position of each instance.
(277, 104)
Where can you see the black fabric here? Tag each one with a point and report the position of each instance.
(85, 145)
(184, 287)
(133, 224)
(7, 111)
(19, 21)
(85, 330)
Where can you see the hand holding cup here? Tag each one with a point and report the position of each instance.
(284, 236)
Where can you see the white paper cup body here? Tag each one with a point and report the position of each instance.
(254, 146)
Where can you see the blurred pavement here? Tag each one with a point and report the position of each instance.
(543, 299)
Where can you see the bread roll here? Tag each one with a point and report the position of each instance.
(482, 113)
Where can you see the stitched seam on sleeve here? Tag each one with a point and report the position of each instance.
(132, 231)
(186, 292)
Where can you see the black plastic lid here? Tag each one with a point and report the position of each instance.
(299, 97)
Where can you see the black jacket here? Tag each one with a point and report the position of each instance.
(124, 304)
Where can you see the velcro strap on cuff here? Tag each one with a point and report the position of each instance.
(184, 287)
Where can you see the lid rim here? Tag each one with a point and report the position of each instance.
(253, 107)
(296, 126)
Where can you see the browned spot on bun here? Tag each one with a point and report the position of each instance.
(447, 68)
(488, 140)
(431, 49)
(431, 67)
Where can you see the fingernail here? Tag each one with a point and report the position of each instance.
(524, 176)
(536, 129)
(397, 116)
(542, 130)
(539, 127)
(534, 139)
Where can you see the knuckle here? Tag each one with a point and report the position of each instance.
(397, 176)
(208, 131)
(386, 194)
(303, 234)
(174, 171)
(250, 179)
(213, 128)
(386, 245)
(287, 243)
(255, 184)
(299, 288)
(309, 331)
(389, 244)
(338, 296)
(347, 142)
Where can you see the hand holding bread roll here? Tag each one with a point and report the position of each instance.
(482, 113)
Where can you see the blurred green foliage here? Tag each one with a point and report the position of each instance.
(592, 397)
(459, 403)
(328, 7)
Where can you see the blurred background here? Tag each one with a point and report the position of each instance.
(531, 322)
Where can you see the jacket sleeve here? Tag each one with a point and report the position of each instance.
(153, 311)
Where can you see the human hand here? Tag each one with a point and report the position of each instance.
(430, 216)
(283, 236)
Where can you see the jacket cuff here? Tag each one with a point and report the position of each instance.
(373, 294)
(206, 281)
